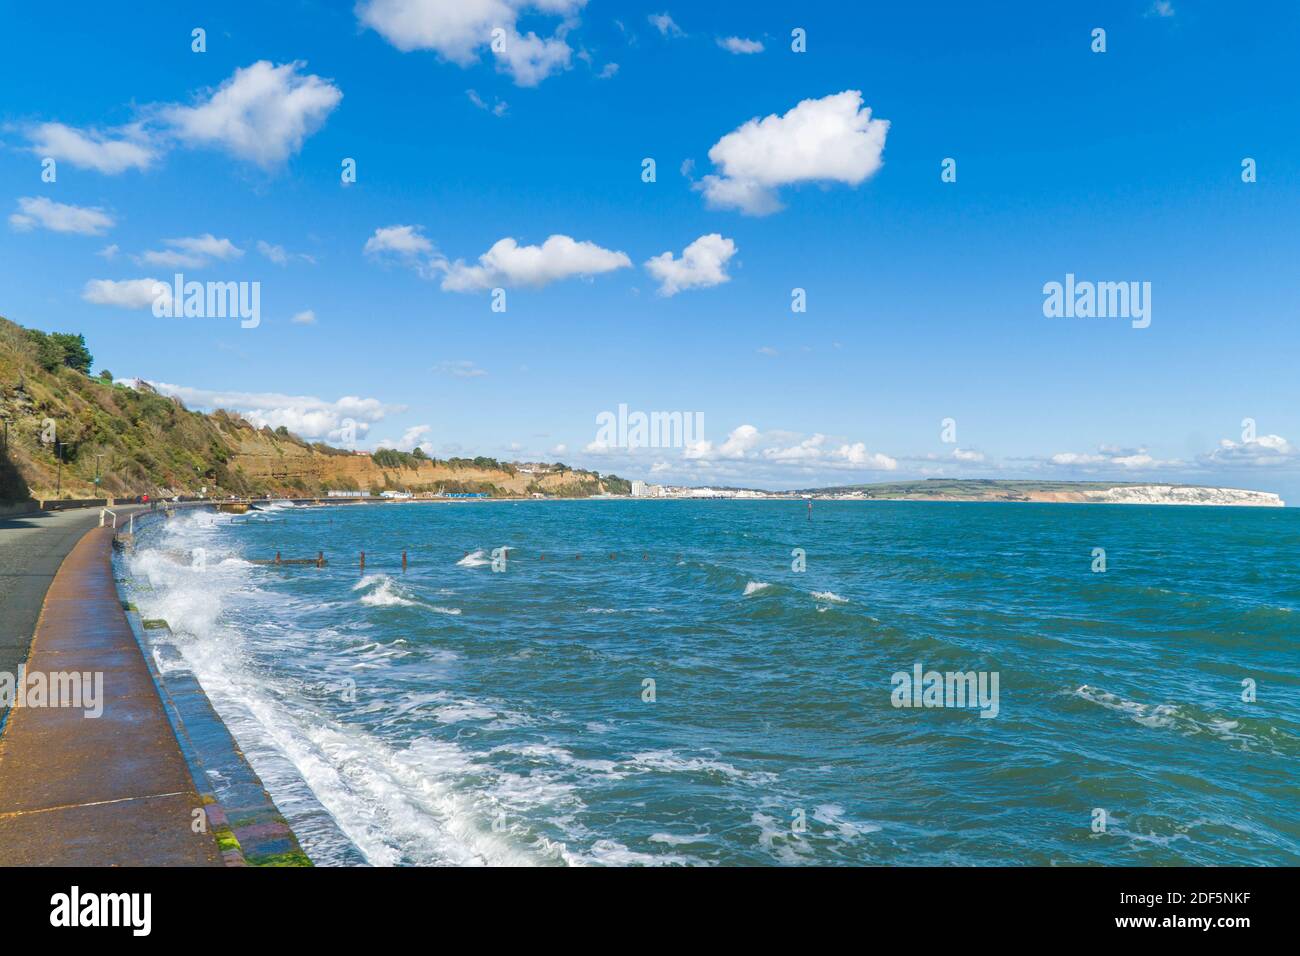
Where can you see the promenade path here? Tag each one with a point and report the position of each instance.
(113, 790)
(32, 546)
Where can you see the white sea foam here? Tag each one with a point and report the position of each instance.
(456, 713)
(475, 559)
(777, 838)
(613, 853)
(833, 816)
(395, 803)
(674, 839)
(550, 753)
(669, 761)
(830, 596)
(383, 592)
(753, 587)
(1173, 717)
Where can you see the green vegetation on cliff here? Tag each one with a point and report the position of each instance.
(74, 436)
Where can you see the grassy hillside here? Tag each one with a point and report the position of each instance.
(146, 443)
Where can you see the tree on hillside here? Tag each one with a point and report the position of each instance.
(391, 458)
(61, 348)
(48, 353)
(75, 354)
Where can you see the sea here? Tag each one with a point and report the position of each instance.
(732, 682)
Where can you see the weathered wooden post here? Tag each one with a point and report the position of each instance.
(277, 557)
(363, 562)
(403, 562)
(320, 559)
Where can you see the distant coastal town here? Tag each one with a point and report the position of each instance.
(940, 489)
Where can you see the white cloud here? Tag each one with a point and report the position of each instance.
(208, 246)
(497, 109)
(305, 317)
(767, 350)
(110, 251)
(1264, 451)
(1111, 457)
(276, 254)
(833, 139)
(857, 456)
(531, 59)
(303, 415)
(811, 448)
(1161, 8)
(461, 369)
(262, 113)
(509, 264)
(170, 258)
(411, 438)
(740, 45)
(458, 30)
(191, 252)
(967, 455)
(665, 25)
(128, 293)
(608, 71)
(402, 241)
(703, 264)
(39, 211)
(127, 148)
(739, 442)
(748, 444)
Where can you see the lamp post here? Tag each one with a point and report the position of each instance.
(97, 457)
(58, 482)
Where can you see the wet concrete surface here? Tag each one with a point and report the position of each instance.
(112, 790)
(32, 547)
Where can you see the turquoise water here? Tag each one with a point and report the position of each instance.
(457, 714)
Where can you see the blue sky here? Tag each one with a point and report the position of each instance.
(924, 297)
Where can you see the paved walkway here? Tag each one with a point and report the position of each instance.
(32, 547)
(74, 790)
